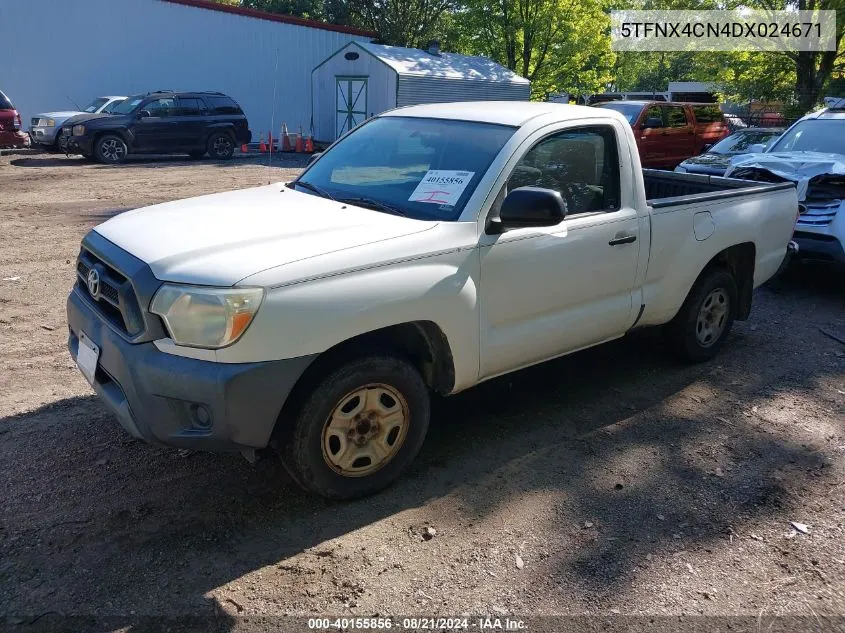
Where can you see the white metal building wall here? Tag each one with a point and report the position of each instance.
(57, 50)
(414, 90)
(381, 87)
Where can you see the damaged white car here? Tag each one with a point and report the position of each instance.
(811, 154)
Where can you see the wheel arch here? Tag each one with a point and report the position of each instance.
(98, 134)
(739, 259)
(422, 343)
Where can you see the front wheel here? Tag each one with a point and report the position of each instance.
(110, 149)
(701, 326)
(359, 429)
(221, 146)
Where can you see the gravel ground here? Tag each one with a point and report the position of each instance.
(608, 483)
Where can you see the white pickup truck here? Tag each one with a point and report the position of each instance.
(430, 249)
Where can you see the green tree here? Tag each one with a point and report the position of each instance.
(560, 45)
(403, 22)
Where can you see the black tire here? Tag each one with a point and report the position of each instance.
(221, 146)
(196, 154)
(306, 446)
(713, 298)
(110, 149)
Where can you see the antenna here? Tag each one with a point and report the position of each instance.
(74, 103)
(273, 119)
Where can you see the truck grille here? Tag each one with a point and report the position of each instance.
(35, 120)
(818, 213)
(115, 297)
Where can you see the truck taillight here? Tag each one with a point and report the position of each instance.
(17, 121)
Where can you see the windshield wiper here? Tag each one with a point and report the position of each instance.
(374, 204)
(307, 185)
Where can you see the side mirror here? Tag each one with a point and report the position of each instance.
(314, 157)
(144, 114)
(652, 122)
(757, 148)
(528, 206)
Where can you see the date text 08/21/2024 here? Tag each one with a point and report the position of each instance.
(417, 624)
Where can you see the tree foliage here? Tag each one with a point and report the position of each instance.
(560, 45)
(564, 45)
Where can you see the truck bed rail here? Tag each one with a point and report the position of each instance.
(668, 188)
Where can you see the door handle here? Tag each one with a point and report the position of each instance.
(622, 239)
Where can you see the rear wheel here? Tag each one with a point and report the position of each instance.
(701, 326)
(358, 429)
(110, 149)
(221, 146)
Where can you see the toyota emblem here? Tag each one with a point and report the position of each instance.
(94, 283)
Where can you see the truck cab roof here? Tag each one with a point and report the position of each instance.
(512, 113)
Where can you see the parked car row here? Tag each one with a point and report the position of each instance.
(111, 128)
(45, 129)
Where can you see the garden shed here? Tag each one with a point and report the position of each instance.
(363, 79)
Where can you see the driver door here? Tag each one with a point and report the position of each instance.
(157, 132)
(547, 291)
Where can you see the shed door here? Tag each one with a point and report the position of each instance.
(351, 96)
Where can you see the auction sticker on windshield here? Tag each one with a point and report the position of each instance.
(442, 186)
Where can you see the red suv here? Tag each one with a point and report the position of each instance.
(668, 133)
(11, 134)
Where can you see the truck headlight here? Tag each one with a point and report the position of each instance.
(48, 122)
(197, 316)
(78, 130)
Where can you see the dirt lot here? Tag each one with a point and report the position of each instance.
(610, 482)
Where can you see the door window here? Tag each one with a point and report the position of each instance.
(580, 163)
(191, 107)
(161, 107)
(676, 116)
(654, 114)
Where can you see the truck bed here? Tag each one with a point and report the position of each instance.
(668, 188)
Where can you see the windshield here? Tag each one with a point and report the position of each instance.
(423, 168)
(127, 106)
(5, 104)
(95, 105)
(112, 107)
(739, 142)
(630, 111)
(813, 135)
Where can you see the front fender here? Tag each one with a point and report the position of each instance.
(313, 316)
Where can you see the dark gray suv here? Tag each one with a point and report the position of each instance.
(164, 122)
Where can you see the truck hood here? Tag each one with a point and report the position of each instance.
(805, 169)
(223, 238)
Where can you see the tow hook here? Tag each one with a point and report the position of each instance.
(792, 247)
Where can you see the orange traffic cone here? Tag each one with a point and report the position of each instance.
(299, 141)
(285, 138)
(243, 148)
(309, 145)
(262, 147)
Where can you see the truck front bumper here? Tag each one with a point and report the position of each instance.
(184, 402)
(79, 145)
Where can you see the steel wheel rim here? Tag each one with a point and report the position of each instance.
(222, 145)
(111, 150)
(365, 430)
(712, 317)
